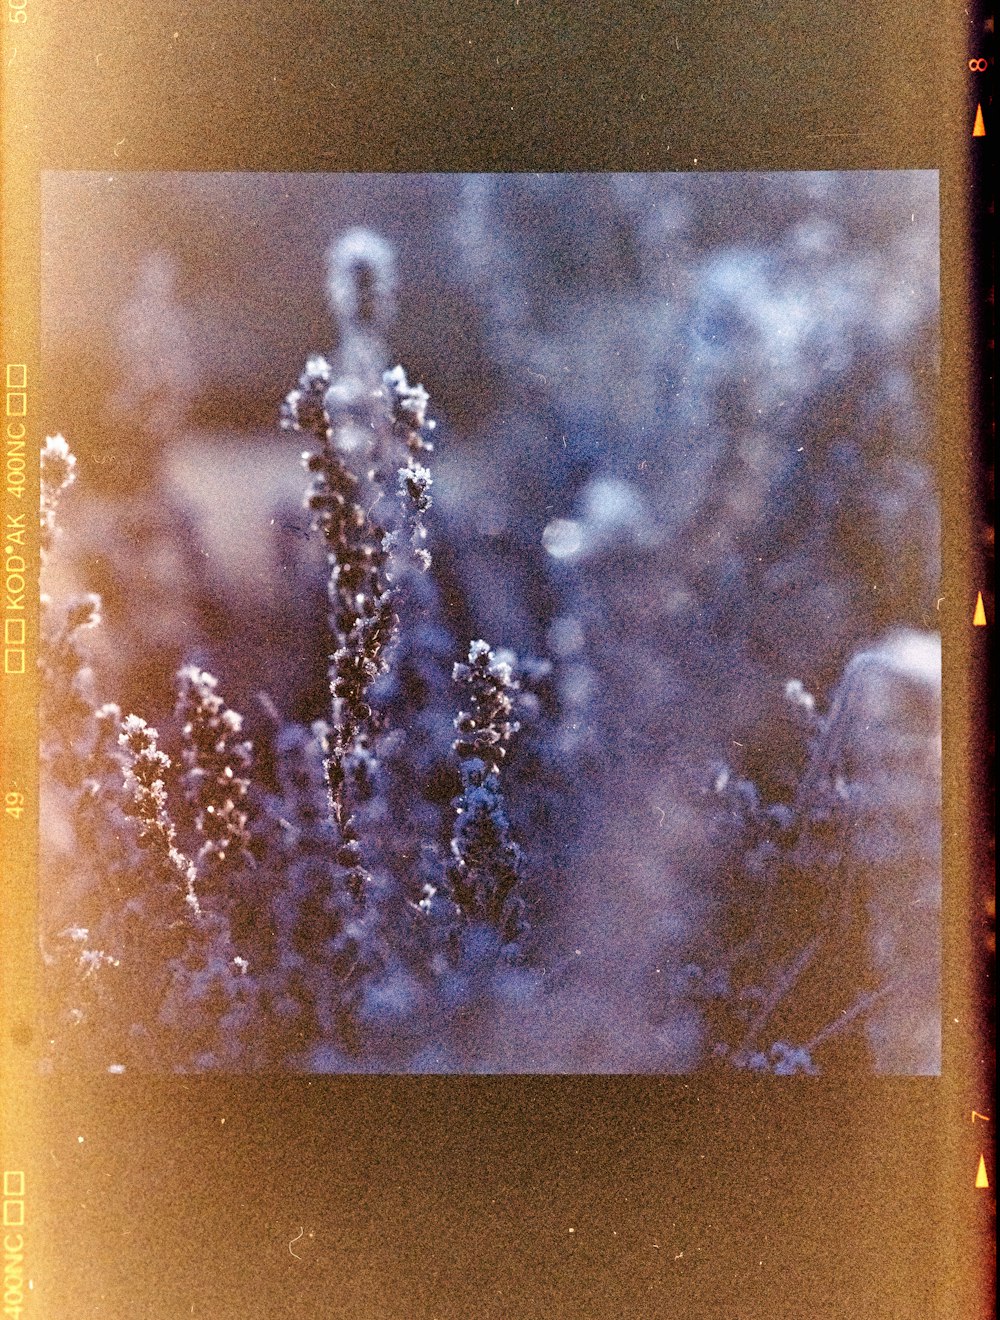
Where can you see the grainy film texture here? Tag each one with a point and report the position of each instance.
(490, 623)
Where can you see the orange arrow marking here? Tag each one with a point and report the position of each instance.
(979, 128)
(979, 617)
(981, 1179)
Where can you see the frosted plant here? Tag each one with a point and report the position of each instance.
(362, 430)
(840, 889)
(214, 757)
(66, 679)
(317, 946)
(58, 472)
(79, 764)
(67, 687)
(485, 872)
(150, 976)
(189, 990)
(145, 768)
(361, 286)
(636, 489)
(370, 491)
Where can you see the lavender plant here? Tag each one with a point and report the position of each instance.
(214, 758)
(368, 432)
(814, 957)
(57, 473)
(484, 877)
(198, 1001)
(152, 978)
(383, 423)
(359, 899)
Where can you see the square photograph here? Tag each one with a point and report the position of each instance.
(490, 623)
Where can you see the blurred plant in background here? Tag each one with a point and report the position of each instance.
(688, 461)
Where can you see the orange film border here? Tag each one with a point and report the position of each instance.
(20, 1023)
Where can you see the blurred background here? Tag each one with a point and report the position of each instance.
(741, 367)
(685, 450)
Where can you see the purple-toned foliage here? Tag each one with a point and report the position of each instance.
(651, 852)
